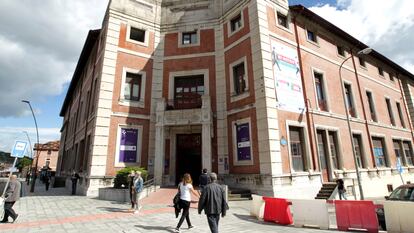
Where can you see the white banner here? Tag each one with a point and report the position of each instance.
(286, 73)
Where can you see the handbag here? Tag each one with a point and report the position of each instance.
(177, 196)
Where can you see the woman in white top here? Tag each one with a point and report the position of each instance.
(186, 188)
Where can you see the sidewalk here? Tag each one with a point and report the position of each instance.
(56, 211)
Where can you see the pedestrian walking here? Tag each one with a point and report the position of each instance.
(213, 202)
(138, 187)
(132, 193)
(74, 178)
(341, 189)
(12, 195)
(47, 179)
(186, 188)
(203, 180)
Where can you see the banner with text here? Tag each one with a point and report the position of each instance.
(128, 145)
(243, 142)
(286, 74)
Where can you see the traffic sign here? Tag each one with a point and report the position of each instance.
(19, 149)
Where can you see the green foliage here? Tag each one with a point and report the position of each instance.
(23, 162)
(121, 177)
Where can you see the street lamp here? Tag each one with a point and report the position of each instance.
(362, 52)
(37, 150)
(31, 155)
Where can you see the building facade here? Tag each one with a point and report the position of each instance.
(47, 154)
(249, 89)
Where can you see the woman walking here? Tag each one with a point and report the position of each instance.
(186, 188)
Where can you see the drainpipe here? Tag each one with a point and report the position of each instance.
(363, 110)
(310, 128)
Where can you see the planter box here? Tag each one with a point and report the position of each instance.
(122, 195)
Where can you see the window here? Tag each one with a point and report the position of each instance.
(341, 50)
(397, 149)
(358, 150)
(137, 34)
(320, 92)
(349, 100)
(49, 152)
(400, 114)
(362, 62)
(132, 86)
(333, 142)
(322, 149)
(239, 79)
(371, 106)
(391, 78)
(408, 153)
(390, 113)
(312, 36)
(282, 20)
(189, 38)
(380, 71)
(236, 23)
(379, 154)
(297, 148)
(188, 91)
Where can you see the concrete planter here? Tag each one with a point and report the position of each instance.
(122, 195)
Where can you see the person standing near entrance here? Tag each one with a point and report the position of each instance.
(203, 180)
(341, 189)
(138, 187)
(186, 188)
(132, 193)
(12, 195)
(213, 202)
(74, 178)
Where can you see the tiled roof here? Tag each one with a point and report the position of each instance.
(53, 145)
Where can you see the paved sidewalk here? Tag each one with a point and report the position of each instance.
(56, 211)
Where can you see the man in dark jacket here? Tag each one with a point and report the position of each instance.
(213, 202)
(204, 179)
(12, 195)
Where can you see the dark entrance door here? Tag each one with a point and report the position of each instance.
(323, 157)
(188, 156)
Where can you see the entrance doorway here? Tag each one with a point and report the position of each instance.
(188, 157)
(323, 155)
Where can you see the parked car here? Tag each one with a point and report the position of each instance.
(402, 193)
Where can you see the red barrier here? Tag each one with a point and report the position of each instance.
(356, 215)
(277, 210)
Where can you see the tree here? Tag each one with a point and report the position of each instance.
(23, 162)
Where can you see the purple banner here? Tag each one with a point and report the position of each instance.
(128, 145)
(243, 142)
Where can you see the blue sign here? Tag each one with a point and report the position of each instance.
(19, 149)
(399, 167)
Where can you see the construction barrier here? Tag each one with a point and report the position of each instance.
(356, 215)
(257, 206)
(277, 210)
(310, 213)
(399, 216)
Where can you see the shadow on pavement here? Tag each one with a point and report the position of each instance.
(249, 218)
(114, 209)
(167, 229)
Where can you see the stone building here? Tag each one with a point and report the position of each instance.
(47, 154)
(248, 89)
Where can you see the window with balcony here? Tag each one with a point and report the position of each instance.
(390, 112)
(400, 114)
(379, 152)
(239, 79)
(297, 148)
(371, 106)
(187, 92)
(132, 86)
(320, 91)
(350, 100)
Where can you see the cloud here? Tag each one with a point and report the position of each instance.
(40, 42)
(386, 26)
(9, 134)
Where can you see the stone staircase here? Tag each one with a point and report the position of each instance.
(326, 191)
(239, 194)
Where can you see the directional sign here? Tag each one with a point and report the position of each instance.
(19, 149)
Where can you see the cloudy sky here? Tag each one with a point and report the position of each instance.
(40, 42)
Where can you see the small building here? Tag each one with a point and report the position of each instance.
(47, 154)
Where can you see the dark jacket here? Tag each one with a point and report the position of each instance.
(204, 179)
(213, 200)
(13, 191)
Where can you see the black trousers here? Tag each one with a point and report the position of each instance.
(47, 185)
(74, 187)
(213, 222)
(8, 211)
(185, 205)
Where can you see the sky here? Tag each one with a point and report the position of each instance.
(41, 40)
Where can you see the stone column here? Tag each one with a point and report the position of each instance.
(159, 142)
(206, 119)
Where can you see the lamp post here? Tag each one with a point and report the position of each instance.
(31, 155)
(362, 52)
(34, 173)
